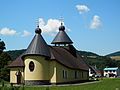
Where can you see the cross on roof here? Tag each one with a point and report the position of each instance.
(37, 22)
(61, 20)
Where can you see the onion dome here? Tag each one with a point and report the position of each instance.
(61, 28)
(38, 30)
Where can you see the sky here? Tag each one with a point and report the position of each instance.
(93, 25)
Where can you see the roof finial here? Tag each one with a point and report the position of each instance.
(61, 20)
(37, 30)
(61, 28)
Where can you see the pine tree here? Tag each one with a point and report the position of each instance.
(2, 46)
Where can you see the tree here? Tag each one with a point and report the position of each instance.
(4, 71)
(118, 63)
(2, 46)
(102, 61)
(4, 59)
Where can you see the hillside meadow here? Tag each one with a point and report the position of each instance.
(105, 84)
(116, 57)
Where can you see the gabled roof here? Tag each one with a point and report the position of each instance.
(62, 37)
(64, 57)
(38, 46)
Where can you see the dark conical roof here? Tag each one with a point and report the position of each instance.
(38, 46)
(62, 37)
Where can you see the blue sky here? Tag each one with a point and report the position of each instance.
(93, 25)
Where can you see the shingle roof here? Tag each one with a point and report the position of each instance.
(17, 63)
(62, 37)
(64, 57)
(38, 46)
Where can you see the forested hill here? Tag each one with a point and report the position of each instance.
(114, 54)
(15, 53)
(85, 53)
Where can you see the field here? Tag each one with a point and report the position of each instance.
(105, 84)
(116, 57)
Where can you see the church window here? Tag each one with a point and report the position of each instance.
(31, 66)
(64, 74)
(76, 74)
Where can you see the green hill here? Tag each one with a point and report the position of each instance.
(15, 53)
(88, 54)
(114, 54)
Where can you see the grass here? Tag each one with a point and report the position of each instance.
(106, 84)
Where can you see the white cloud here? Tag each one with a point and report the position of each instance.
(26, 33)
(7, 31)
(82, 8)
(51, 27)
(96, 22)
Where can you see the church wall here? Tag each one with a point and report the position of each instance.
(51, 71)
(13, 77)
(64, 74)
(41, 69)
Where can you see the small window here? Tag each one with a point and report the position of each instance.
(110, 71)
(113, 70)
(76, 75)
(106, 71)
(31, 66)
(64, 74)
(82, 74)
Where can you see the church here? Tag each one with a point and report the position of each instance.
(43, 64)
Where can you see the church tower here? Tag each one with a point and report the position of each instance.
(36, 60)
(62, 38)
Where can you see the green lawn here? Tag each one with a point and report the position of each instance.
(106, 84)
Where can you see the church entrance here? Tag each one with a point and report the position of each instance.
(18, 75)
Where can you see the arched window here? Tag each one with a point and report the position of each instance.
(31, 66)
